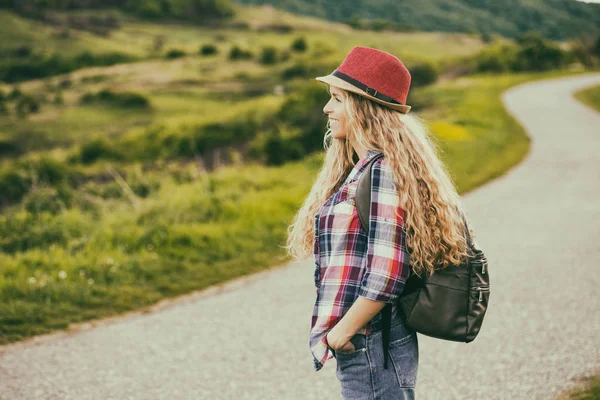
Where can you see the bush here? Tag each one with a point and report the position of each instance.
(122, 100)
(48, 171)
(14, 184)
(203, 139)
(38, 66)
(532, 53)
(423, 74)
(175, 53)
(27, 105)
(141, 184)
(279, 150)
(236, 53)
(278, 28)
(298, 70)
(17, 181)
(96, 149)
(208, 49)
(537, 54)
(499, 58)
(269, 55)
(9, 147)
(299, 45)
(303, 110)
(58, 99)
(22, 51)
(15, 93)
(45, 199)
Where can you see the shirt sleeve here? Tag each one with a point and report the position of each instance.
(387, 261)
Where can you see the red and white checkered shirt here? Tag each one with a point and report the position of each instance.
(350, 262)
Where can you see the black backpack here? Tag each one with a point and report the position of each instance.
(451, 303)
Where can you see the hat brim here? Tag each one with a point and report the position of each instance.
(342, 84)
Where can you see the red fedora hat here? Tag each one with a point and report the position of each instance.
(374, 74)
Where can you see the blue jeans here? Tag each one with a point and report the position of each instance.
(361, 372)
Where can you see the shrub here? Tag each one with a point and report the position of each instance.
(58, 99)
(278, 28)
(13, 186)
(304, 110)
(537, 54)
(49, 171)
(269, 55)
(236, 53)
(299, 45)
(27, 105)
(8, 147)
(298, 70)
(96, 149)
(45, 199)
(141, 184)
(498, 58)
(208, 49)
(423, 74)
(175, 53)
(15, 93)
(22, 51)
(123, 99)
(279, 150)
(38, 66)
(206, 138)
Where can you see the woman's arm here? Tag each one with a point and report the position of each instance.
(386, 261)
(362, 311)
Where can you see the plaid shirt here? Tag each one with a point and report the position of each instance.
(350, 263)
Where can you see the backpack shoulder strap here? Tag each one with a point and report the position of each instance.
(363, 194)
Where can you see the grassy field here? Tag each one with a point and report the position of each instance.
(93, 239)
(116, 252)
(590, 97)
(586, 389)
(192, 90)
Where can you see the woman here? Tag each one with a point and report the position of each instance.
(415, 224)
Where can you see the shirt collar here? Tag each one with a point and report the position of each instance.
(368, 155)
(361, 163)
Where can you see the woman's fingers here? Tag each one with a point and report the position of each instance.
(348, 348)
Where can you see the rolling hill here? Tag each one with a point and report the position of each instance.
(555, 19)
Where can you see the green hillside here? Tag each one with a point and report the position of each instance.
(555, 19)
(154, 155)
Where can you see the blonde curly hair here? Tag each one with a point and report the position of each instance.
(433, 209)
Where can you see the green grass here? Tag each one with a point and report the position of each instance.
(18, 31)
(119, 251)
(590, 97)
(133, 233)
(586, 389)
(190, 90)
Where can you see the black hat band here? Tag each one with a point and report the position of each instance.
(362, 86)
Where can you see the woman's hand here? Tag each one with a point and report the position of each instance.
(339, 342)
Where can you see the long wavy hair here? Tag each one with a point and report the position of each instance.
(433, 210)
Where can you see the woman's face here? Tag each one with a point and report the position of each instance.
(336, 112)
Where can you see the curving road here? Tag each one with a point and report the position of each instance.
(539, 225)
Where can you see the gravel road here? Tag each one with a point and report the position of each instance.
(539, 225)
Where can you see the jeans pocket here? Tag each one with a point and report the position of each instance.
(404, 354)
(360, 346)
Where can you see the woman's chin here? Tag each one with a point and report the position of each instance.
(337, 135)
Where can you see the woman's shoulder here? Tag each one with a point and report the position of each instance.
(383, 173)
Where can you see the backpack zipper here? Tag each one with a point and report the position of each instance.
(481, 290)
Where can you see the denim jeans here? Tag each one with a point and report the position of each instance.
(361, 372)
